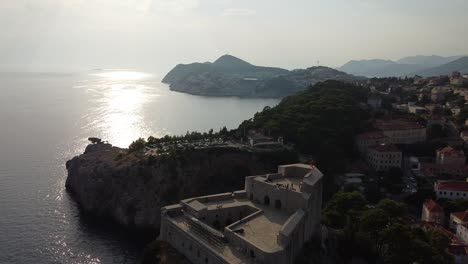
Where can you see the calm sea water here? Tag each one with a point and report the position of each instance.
(45, 119)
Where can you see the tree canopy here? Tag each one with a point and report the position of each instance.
(321, 120)
(380, 233)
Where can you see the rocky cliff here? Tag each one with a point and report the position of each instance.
(130, 189)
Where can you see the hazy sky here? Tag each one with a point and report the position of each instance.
(157, 34)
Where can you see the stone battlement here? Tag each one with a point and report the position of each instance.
(268, 222)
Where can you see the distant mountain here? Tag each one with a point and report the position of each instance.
(231, 76)
(386, 68)
(378, 68)
(432, 60)
(460, 65)
(363, 67)
(298, 80)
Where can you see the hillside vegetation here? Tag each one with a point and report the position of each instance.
(321, 120)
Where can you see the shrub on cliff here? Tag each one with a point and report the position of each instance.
(137, 145)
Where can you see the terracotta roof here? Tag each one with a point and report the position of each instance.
(460, 186)
(458, 249)
(371, 135)
(463, 216)
(392, 125)
(431, 225)
(432, 206)
(450, 151)
(431, 166)
(386, 148)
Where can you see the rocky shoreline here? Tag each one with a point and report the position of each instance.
(129, 189)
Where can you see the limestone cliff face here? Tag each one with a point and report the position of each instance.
(130, 189)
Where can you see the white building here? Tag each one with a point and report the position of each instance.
(459, 218)
(267, 222)
(451, 189)
(370, 139)
(383, 157)
(462, 233)
(432, 212)
(457, 81)
(416, 109)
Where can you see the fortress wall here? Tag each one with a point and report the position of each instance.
(290, 200)
(226, 216)
(257, 254)
(197, 251)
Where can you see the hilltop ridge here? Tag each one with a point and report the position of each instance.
(231, 76)
(407, 66)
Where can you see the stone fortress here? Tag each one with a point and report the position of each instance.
(268, 222)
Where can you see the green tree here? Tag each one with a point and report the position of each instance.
(341, 207)
(137, 145)
(373, 193)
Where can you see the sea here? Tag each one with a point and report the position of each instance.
(45, 120)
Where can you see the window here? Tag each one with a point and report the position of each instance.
(266, 200)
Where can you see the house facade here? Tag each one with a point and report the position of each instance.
(384, 156)
(451, 189)
(449, 155)
(432, 212)
(458, 218)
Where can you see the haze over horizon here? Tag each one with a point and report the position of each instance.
(51, 35)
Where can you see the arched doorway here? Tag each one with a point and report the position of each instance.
(266, 200)
(278, 204)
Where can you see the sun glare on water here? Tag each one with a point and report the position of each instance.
(120, 97)
(123, 75)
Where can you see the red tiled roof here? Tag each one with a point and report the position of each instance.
(460, 186)
(463, 216)
(431, 166)
(458, 249)
(450, 151)
(371, 135)
(432, 206)
(397, 125)
(385, 148)
(431, 225)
